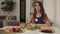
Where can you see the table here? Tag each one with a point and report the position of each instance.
(57, 31)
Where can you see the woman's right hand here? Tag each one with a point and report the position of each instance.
(27, 24)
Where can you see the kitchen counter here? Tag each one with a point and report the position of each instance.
(57, 31)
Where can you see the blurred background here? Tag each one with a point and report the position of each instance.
(23, 8)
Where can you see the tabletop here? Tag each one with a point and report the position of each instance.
(57, 31)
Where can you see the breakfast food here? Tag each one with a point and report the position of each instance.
(22, 25)
(49, 30)
(30, 28)
(7, 30)
(37, 27)
(13, 29)
(17, 29)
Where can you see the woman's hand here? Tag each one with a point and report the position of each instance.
(42, 25)
(36, 24)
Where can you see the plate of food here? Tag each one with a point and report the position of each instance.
(13, 30)
(30, 27)
(47, 30)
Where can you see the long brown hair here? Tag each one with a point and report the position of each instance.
(44, 16)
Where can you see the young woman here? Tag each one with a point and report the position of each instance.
(39, 16)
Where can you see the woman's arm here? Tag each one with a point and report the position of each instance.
(30, 19)
(47, 24)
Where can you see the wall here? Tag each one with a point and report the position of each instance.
(49, 8)
(58, 12)
(16, 11)
(52, 8)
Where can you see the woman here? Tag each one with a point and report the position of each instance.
(39, 16)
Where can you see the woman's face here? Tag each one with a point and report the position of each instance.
(37, 7)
